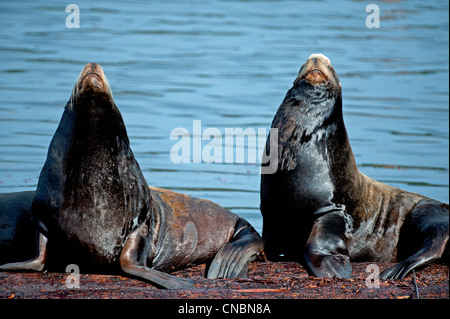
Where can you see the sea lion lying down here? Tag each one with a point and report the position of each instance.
(93, 208)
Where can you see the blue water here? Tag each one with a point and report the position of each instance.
(229, 64)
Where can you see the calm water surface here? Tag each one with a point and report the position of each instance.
(229, 64)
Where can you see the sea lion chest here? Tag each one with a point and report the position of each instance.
(91, 193)
(306, 167)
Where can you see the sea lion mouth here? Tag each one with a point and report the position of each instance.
(315, 76)
(92, 78)
(317, 70)
(92, 81)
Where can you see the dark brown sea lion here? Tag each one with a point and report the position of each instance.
(93, 207)
(318, 208)
(18, 235)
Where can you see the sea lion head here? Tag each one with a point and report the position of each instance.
(318, 71)
(91, 86)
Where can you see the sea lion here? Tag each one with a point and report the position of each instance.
(319, 209)
(18, 234)
(93, 206)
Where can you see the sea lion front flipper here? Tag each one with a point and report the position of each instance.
(36, 264)
(129, 262)
(233, 259)
(326, 252)
(423, 238)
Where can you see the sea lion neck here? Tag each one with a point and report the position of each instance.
(312, 107)
(95, 123)
(97, 128)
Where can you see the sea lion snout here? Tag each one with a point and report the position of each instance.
(315, 70)
(92, 80)
(318, 70)
(91, 85)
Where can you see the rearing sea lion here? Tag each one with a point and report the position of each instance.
(94, 208)
(318, 208)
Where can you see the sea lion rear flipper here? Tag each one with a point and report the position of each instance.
(423, 238)
(326, 252)
(130, 265)
(233, 259)
(36, 264)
